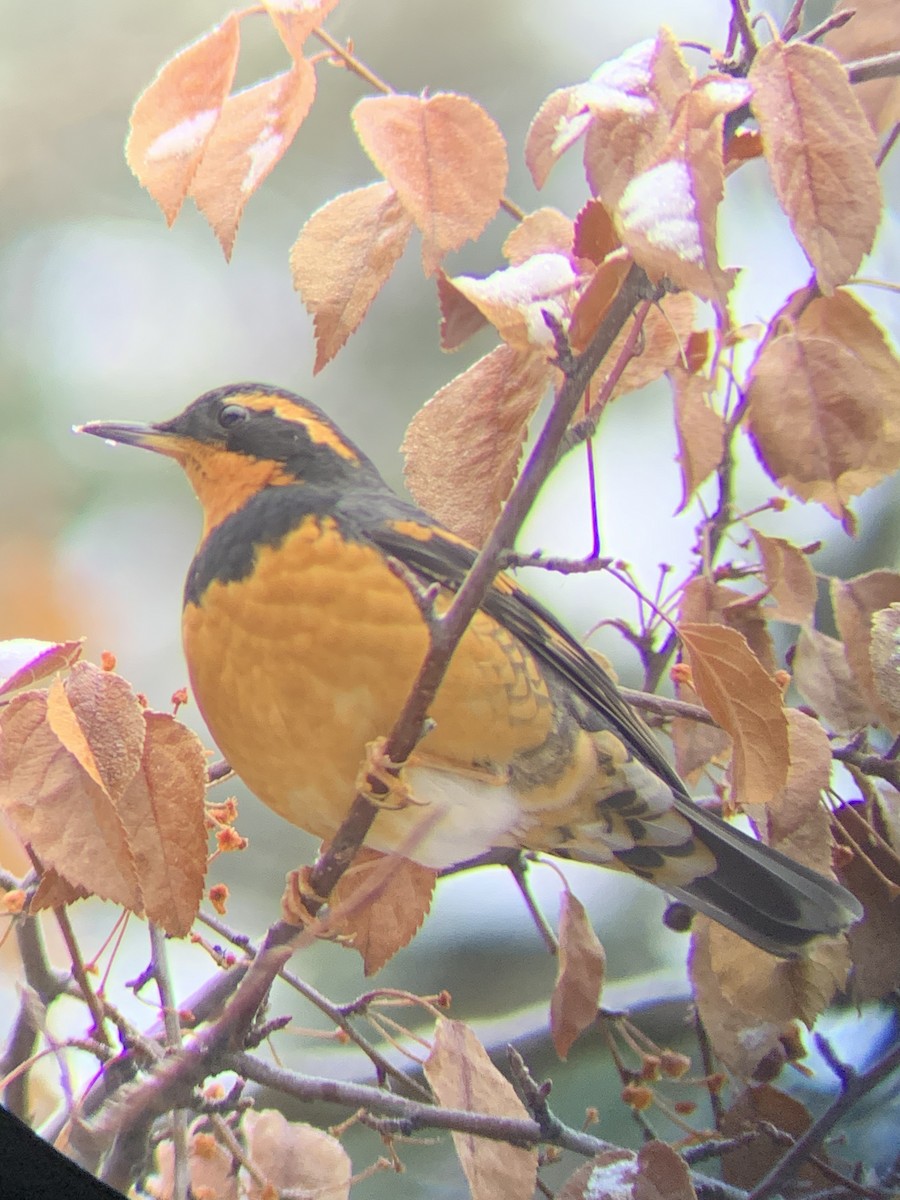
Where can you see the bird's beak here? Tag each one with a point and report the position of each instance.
(130, 433)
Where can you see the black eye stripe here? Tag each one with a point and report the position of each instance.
(232, 414)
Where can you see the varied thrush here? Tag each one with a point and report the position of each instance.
(302, 641)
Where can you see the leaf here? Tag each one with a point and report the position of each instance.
(460, 319)
(609, 1175)
(23, 661)
(58, 809)
(744, 699)
(662, 1174)
(823, 678)
(255, 128)
(665, 334)
(755, 1107)
(514, 299)
(579, 976)
(695, 743)
(595, 234)
(379, 905)
(542, 144)
(823, 400)
(462, 1076)
(884, 655)
(855, 602)
(631, 101)
(545, 231)
(820, 151)
(294, 1156)
(463, 448)
(444, 157)
(211, 1168)
(789, 577)
(344, 255)
(872, 31)
(174, 118)
(700, 430)
(594, 301)
(797, 821)
(98, 719)
(163, 814)
(709, 603)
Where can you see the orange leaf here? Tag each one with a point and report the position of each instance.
(345, 253)
(824, 404)
(254, 129)
(173, 120)
(595, 234)
(543, 145)
(460, 319)
(296, 1157)
(700, 430)
(594, 301)
(820, 152)
(746, 701)
(444, 157)
(662, 1174)
(57, 808)
(514, 299)
(101, 724)
(823, 678)
(789, 577)
(754, 1108)
(463, 448)
(545, 231)
(855, 602)
(163, 814)
(379, 905)
(579, 976)
(23, 661)
(665, 333)
(462, 1076)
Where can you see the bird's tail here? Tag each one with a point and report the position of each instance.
(761, 894)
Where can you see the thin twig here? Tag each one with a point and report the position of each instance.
(880, 66)
(518, 868)
(181, 1180)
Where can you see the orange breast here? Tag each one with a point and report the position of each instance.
(296, 667)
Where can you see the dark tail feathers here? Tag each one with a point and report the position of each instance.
(761, 894)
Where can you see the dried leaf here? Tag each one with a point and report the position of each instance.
(579, 976)
(748, 1164)
(820, 152)
(594, 301)
(595, 235)
(789, 577)
(163, 814)
(173, 120)
(608, 1176)
(823, 678)
(545, 231)
(211, 1169)
(379, 905)
(23, 661)
(445, 158)
(700, 430)
(57, 808)
(746, 702)
(255, 128)
(662, 1174)
(631, 101)
(293, 1155)
(797, 822)
(463, 448)
(105, 732)
(665, 334)
(871, 31)
(824, 403)
(855, 602)
(873, 875)
(542, 144)
(884, 654)
(514, 299)
(709, 603)
(696, 744)
(345, 253)
(460, 319)
(462, 1076)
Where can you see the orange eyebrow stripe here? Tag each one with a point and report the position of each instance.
(320, 432)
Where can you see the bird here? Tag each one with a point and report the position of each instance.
(303, 638)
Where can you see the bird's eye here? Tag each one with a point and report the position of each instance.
(233, 414)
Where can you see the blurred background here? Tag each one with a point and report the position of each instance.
(106, 313)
